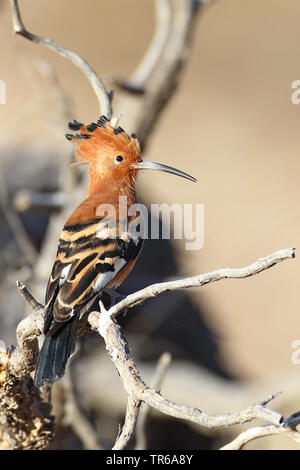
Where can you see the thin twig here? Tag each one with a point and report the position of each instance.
(159, 77)
(159, 374)
(23, 358)
(25, 200)
(196, 281)
(34, 304)
(161, 369)
(163, 22)
(261, 431)
(132, 412)
(75, 418)
(77, 60)
(20, 235)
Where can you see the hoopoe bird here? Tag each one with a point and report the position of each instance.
(92, 255)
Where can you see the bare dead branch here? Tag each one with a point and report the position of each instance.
(158, 74)
(160, 371)
(87, 70)
(34, 304)
(25, 200)
(74, 417)
(117, 346)
(163, 22)
(20, 235)
(261, 431)
(186, 381)
(196, 281)
(132, 411)
(22, 360)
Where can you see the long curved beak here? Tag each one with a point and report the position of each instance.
(146, 165)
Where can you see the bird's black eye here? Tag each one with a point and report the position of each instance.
(119, 158)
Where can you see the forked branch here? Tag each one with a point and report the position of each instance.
(21, 361)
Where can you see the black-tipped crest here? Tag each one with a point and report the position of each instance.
(75, 125)
(102, 121)
(77, 136)
(91, 127)
(105, 131)
(118, 130)
(82, 136)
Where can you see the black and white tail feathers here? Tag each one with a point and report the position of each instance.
(55, 353)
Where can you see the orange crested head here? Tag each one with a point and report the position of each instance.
(114, 156)
(110, 152)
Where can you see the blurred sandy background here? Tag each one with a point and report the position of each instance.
(231, 124)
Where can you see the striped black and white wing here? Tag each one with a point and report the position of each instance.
(88, 259)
